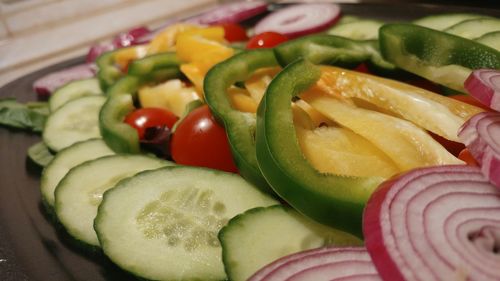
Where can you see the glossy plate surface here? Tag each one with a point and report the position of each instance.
(31, 246)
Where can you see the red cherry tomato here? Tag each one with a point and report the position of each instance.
(200, 141)
(266, 40)
(146, 117)
(452, 146)
(467, 157)
(234, 32)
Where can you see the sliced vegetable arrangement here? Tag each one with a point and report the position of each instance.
(210, 149)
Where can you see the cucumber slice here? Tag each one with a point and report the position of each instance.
(357, 30)
(39, 153)
(75, 121)
(474, 28)
(79, 193)
(64, 161)
(256, 238)
(491, 39)
(348, 18)
(163, 224)
(73, 90)
(443, 21)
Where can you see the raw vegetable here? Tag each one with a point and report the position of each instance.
(266, 39)
(130, 37)
(330, 49)
(443, 21)
(47, 84)
(64, 161)
(440, 57)
(338, 200)
(357, 30)
(484, 85)
(436, 223)
(146, 117)
(481, 135)
(255, 238)
(163, 224)
(234, 32)
(329, 263)
(491, 39)
(301, 19)
(40, 154)
(73, 90)
(200, 141)
(75, 121)
(239, 126)
(79, 193)
(30, 116)
(474, 28)
(230, 13)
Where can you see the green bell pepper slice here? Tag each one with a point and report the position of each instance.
(437, 56)
(119, 136)
(157, 67)
(334, 200)
(323, 49)
(334, 50)
(240, 126)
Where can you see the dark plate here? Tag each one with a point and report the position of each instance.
(31, 247)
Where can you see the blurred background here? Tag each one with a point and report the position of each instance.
(37, 33)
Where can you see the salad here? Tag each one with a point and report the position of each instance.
(298, 143)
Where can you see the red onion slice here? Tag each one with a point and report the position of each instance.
(230, 13)
(131, 37)
(436, 223)
(300, 19)
(96, 50)
(484, 85)
(481, 135)
(46, 85)
(320, 264)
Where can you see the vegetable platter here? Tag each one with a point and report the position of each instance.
(259, 155)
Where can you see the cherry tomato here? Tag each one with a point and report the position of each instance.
(266, 40)
(467, 157)
(470, 100)
(452, 146)
(234, 32)
(146, 117)
(362, 68)
(200, 141)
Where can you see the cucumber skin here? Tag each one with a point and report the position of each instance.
(121, 184)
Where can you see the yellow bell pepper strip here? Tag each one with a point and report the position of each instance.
(335, 200)
(172, 95)
(199, 50)
(240, 126)
(438, 114)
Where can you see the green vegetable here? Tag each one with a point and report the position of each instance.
(118, 135)
(108, 72)
(255, 238)
(29, 116)
(240, 126)
(163, 224)
(331, 199)
(323, 49)
(440, 57)
(40, 154)
(122, 96)
(333, 50)
(157, 67)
